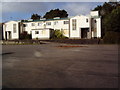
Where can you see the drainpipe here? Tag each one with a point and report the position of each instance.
(69, 28)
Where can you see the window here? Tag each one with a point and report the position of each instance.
(36, 32)
(86, 20)
(14, 28)
(33, 24)
(66, 22)
(95, 21)
(48, 23)
(55, 22)
(43, 32)
(74, 24)
(39, 24)
(24, 25)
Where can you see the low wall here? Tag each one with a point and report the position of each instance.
(67, 41)
(78, 41)
(21, 42)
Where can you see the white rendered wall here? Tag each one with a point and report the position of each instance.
(9, 27)
(59, 26)
(94, 13)
(81, 23)
(98, 27)
(4, 31)
(43, 34)
(66, 28)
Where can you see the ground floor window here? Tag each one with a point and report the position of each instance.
(36, 32)
(14, 28)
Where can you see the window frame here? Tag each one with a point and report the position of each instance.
(39, 24)
(87, 20)
(74, 24)
(48, 23)
(32, 24)
(64, 22)
(14, 28)
(55, 22)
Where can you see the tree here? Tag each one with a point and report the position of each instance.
(35, 17)
(55, 13)
(112, 27)
(112, 21)
(105, 10)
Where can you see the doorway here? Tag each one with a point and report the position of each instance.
(84, 32)
(9, 35)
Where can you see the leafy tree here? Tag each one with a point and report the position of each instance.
(105, 10)
(35, 17)
(55, 13)
(112, 21)
(112, 37)
(110, 13)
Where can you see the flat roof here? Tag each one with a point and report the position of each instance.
(46, 20)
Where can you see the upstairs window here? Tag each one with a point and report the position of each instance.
(33, 24)
(14, 28)
(66, 22)
(74, 24)
(39, 24)
(56, 22)
(87, 20)
(48, 23)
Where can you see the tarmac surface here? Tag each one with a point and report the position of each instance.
(52, 65)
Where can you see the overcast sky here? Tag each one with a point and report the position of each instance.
(24, 10)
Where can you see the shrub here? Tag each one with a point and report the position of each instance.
(36, 38)
(57, 34)
(25, 35)
(112, 37)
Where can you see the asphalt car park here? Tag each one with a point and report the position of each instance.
(55, 65)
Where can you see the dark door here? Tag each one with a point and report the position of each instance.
(84, 32)
(9, 34)
(5, 35)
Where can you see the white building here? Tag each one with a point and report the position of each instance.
(76, 27)
(79, 27)
(11, 30)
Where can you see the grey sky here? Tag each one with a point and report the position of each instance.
(23, 10)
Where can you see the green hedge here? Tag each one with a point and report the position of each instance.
(57, 34)
(112, 37)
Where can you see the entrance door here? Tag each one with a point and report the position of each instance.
(5, 35)
(9, 35)
(84, 32)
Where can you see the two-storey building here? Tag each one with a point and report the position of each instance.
(75, 27)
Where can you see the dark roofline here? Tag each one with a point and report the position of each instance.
(46, 20)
